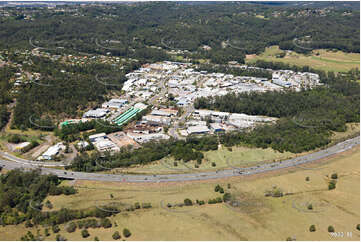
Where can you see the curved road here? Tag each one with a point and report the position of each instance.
(14, 163)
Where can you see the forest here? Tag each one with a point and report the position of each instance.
(230, 29)
(43, 103)
(22, 194)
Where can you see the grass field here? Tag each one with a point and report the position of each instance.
(325, 60)
(257, 217)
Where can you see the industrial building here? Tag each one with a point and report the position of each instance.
(97, 113)
(115, 103)
(52, 151)
(200, 129)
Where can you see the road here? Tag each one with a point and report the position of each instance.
(173, 131)
(234, 171)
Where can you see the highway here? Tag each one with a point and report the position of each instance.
(234, 171)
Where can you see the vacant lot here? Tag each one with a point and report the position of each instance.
(223, 158)
(319, 59)
(256, 217)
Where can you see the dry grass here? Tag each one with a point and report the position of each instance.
(319, 59)
(257, 217)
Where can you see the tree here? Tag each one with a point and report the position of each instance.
(46, 232)
(358, 227)
(105, 223)
(70, 227)
(116, 235)
(312, 228)
(126, 233)
(307, 178)
(330, 229)
(309, 206)
(96, 238)
(85, 233)
(188, 202)
(48, 204)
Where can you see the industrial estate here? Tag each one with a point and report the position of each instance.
(179, 121)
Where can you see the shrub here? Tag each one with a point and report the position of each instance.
(70, 227)
(201, 202)
(331, 185)
(334, 176)
(227, 197)
(105, 223)
(312, 228)
(221, 190)
(358, 227)
(217, 188)
(55, 229)
(188, 202)
(175, 163)
(309, 207)
(146, 205)
(330, 229)
(219, 200)
(48, 204)
(126, 233)
(214, 164)
(85, 233)
(229, 186)
(46, 232)
(116, 235)
(28, 224)
(96, 238)
(307, 178)
(60, 238)
(136, 205)
(196, 166)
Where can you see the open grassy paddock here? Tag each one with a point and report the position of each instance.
(325, 60)
(254, 218)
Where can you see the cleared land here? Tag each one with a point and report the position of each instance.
(257, 217)
(224, 158)
(325, 60)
